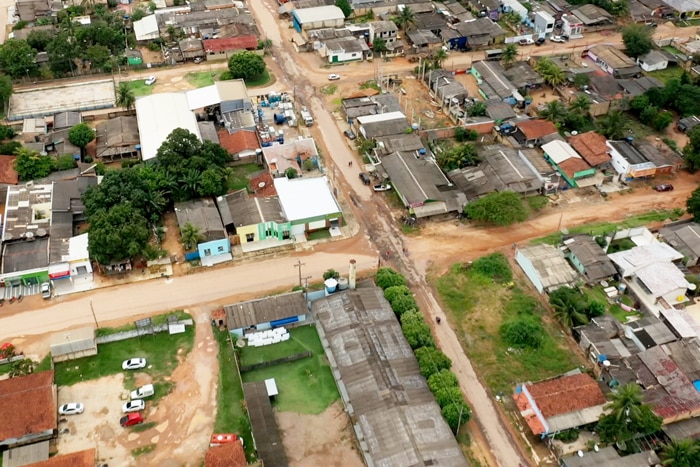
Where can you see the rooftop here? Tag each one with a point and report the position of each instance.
(591, 146)
(27, 211)
(572, 166)
(550, 265)
(239, 140)
(36, 395)
(361, 106)
(422, 37)
(226, 455)
(319, 13)
(385, 124)
(201, 213)
(560, 151)
(279, 157)
(644, 255)
(597, 266)
(263, 310)
(499, 110)
(662, 278)
(66, 120)
(592, 15)
(86, 458)
(239, 209)
(395, 412)
(683, 237)
(248, 42)
(609, 456)
(232, 91)
(628, 151)
(612, 56)
(684, 6)
(522, 75)
(492, 80)
(116, 136)
(306, 197)
(536, 128)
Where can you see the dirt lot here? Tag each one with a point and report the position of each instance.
(327, 438)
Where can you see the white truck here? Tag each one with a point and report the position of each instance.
(143, 391)
(306, 117)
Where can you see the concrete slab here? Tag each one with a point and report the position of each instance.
(39, 102)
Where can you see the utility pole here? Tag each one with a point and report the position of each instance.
(93, 315)
(299, 265)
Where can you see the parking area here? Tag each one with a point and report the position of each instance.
(48, 101)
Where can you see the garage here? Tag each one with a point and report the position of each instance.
(317, 225)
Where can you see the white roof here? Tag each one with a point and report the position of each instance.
(380, 117)
(559, 151)
(146, 28)
(640, 256)
(682, 322)
(319, 13)
(77, 248)
(158, 115)
(217, 93)
(304, 198)
(662, 278)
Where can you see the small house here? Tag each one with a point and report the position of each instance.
(533, 132)
(37, 420)
(545, 266)
(688, 123)
(213, 246)
(685, 238)
(592, 148)
(266, 313)
(588, 258)
(653, 60)
(241, 144)
(308, 204)
(629, 162)
(567, 162)
(613, 61)
(327, 16)
(254, 219)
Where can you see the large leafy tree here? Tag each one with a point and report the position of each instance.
(81, 135)
(457, 414)
(190, 236)
(459, 156)
(554, 111)
(124, 186)
(500, 208)
(17, 58)
(627, 416)
(613, 125)
(124, 96)
(118, 233)
(31, 165)
(691, 151)
(431, 361)
(246, 65)
(692, 204)
(344, 6)
(5, 89)
(637, 39)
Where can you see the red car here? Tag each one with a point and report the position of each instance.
(131, 419)
(667, 187)
(224, 438)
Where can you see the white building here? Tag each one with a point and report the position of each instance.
(628, 262)
(654, 60)
(329, 16)
(146, 29)
(572, 27)
(544, 23)
(308, 203)
(628, 161)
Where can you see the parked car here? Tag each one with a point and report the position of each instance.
(131, 419)
(559, 39)
(333, 77)
(365, 178)
(349, 134)
(539, 41)
(526, 42)
(150, 80)
(143, 391)
(382, 187)
(666, 187)
(72, 408)
(224, 438)
(134, 406)
(134, 364)
(46, 289)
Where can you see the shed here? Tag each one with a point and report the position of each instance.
(72, 344)
(327, 16)
(266, 313)
(64, 120)
(117, 138)
(545, 266)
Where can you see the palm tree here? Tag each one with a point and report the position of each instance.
(554, 111)
(567, 307)
(626, 403)
(405, 19)
(190, 236)
(580, 104)
(554, 76)
(681, 453)
(439, 56)
(510, 53)
(124, 96)
(613, 125)
(190, 181)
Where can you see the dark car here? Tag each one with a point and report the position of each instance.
(349, 134)
(365, 178)
(540, 41)
(666, 187)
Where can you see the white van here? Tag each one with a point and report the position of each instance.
(143, 391)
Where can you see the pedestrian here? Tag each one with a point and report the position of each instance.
(350, 164)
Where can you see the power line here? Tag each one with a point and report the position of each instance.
(299, 265)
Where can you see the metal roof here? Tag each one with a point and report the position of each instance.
(550, 265)
(263, 310)
(201, 213)
(559, 151)
(268, 441)
(684, 237)
(239, 209)
(306, 198)
(319, 13)
(597, 266)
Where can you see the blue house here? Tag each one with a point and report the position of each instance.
(214, 246)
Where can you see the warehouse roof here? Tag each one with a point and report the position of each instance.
(319, 13)
(158, 115)
(263, 310)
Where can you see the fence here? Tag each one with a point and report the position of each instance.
(278, 361)
(124, 335)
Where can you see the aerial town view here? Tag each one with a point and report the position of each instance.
(346, 233)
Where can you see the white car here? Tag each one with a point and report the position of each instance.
(134, 364)
(46, 289)
(557, 39)
(150, 80)
(73, 408)
(133, 406)
(333, 77)
(526, 42)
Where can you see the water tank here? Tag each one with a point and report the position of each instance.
(629, 139)
(258, 152)
(342, 283)
(280, 119)
(415, 126)
(331, 285)
(422, 151)
(622, 287)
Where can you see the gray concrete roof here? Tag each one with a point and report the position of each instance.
(684, 237)
(597, 266)
(23, 255)
(268, 441)
(117, 136)
(263, 310)
(396, 417)
(201, 213)
(550, 265)
(239, 209)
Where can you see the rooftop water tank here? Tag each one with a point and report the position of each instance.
(342, 283)
(331, 285)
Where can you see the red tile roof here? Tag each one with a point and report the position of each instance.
(238, 141)
(8, 174)
(573, 165)
(230, 43)
(75, 459)
(36, 395)
(267, 190)
(226, 455)
(538, 128)
(592, 147)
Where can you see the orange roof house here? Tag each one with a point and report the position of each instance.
(37, 419)
(536, 129)
(84, 458)
(240, 144)
(230, 44)
(591, 146)
(560, 403)
(226, 455)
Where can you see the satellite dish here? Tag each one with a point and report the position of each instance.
(261, 185)
(692, 286)
(580, 453)
(41, 232)
(240, 343)
(596, 448)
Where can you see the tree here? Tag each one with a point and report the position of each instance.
(344, 6)
(442, 379)
(692, 204)
(405, 19)
(81, 135)
(568, 306)
(458, 156)
(395, 291)
(661, 120)
(439, 56)
(554, 111)
(331, 274)
(291, 172)
(613, 125)
(31, 165)
(680, 453)
(582, 80)
(510, 53)
(38, 39)
(23, 367)
(379, 46)
(551, 73)
(415, 330)
(456, 414)
(627, 416)
(117, 234)
(388, 277)
(449, 395)
(477, 109)
(500, 208)
(124, 96)
(190, 236)
(580, 105)
(637, 39)
(17, 58)
(125, 186)
(98, 55)
(5, 89)
(402, 304)
(691, 151)
(431, 361)
(246, 65)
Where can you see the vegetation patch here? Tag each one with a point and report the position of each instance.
(329, 89)
(318, 235)
(143, 450)
(202, 79)
(143, 427)
(240, 176)
(139, 88)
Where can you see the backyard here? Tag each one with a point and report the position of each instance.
(240, 176)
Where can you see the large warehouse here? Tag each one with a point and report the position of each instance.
(329, 16)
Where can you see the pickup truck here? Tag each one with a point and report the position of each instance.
(382, 187)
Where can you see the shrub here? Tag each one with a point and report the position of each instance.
(331, 274)
(447, 396)
(9, 148)
(387, 277)
(6, 132)
(526, 331)
(402, 304)
(431, 361)
(442, 379)
(395, 291)
(416, 331)
(456, 414)
(64, 162)
(130, 163)
(494, 266)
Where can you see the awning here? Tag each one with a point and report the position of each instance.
(59, 271)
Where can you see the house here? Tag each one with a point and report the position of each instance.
(381, 382)
(653, 61)
(308, 204)
(229, 96)
(146, 29)
(66, 120)
(613, 61)
(685, 238)
(492, 81)
(291, 154)
(213, 247)
(455, 12)
(633, 87)
(532, 132)
(684, 9)
(423, 40)
(572, 26)
(545, 266)
(226, 455)
(628, 262)
(588, 258)
(448, 91)
(266, 313)
(664, 158)
(474, 33)
(33, 127)
(490, 9)
(58, 142)
(227, 46)
(604, 338)
(629, 162)
(689, 428)
(688, 123)
(384, 30)
(502, 169)
(254, 219)
(592, 147)
(241, 144)
(117, 138)
(29, 10)
(499, 111)
(327, 16)
(354, 107)
(191, 48)
(544, 22)
(385, 124)
(523, 76)
(343, 49)
(432, 21)
(567, 162)
(593, 17)
(37, 420)
(609, 456)
(560, 403)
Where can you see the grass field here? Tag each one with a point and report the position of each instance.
(203, 78)
(239, 179)
(476, 307)
(305, 386)
(139, 88)
(231, 416)
(668, 74)
(159, 350)
(295, 344)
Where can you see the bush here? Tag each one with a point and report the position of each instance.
(9, 148)
(431, 361)
(494, 266)
(153, 46)
(416, 331)
(6, 132)
(523, 332)
(402, 304)
(567, 436)
(395, 291)
(387, 277)
(64, 162)
(447, 396)
(442, 379)
(456, 414)
(331, 274)
(130, 163)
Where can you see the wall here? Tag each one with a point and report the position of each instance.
(575, 262)
(243, 231)
(214, 248)
(529, 270)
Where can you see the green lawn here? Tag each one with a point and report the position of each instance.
(597, 293)
(240, 177)
(476, 307)
(203, 78)
(668, 74)
(231, 416)
(139, 88)
(318, 235)
(305, 386)
(297, 343)
(159, 350)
